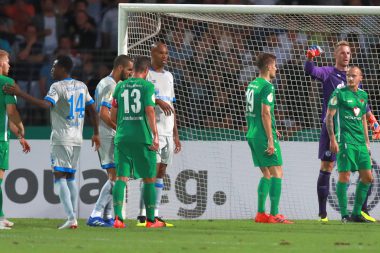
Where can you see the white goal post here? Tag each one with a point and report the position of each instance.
(212, 50)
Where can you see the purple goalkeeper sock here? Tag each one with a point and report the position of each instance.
(365, 204)
(323, 189)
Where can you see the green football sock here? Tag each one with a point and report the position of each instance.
(1, 199)
(341, 192)
(360, 196)
(118, 198)
(262, 192)
(275, 194)
(149, 200)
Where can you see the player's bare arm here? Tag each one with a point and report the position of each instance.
(365, 128)
(149, 110)
(267, 123)
(177, 141)
(330, 129)
(114, 114)
(165, 107)
(95, 140)
(16, 126)
(106, 117)
(15, 90)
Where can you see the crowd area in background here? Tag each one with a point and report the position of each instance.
(206, 60)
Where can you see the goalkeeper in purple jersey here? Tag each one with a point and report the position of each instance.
(333, 77)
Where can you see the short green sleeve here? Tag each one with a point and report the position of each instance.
(9, 99)
(334, 100)
(116, 91)
(267, 95)
(150, 97)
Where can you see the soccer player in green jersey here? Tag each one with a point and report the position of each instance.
(136, 139)
(262, 138)
(350, 141)
(9, 111)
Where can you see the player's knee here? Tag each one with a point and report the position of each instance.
(149, 180)
(161, 170)
(344, 177)
(327, 166)
(111, 174)
(367, 178)
(124, 179)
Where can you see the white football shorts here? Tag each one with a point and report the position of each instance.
(106, 153)
(166, 149)
(64, 158)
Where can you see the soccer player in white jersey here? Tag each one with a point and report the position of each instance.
(101, 215)
(169, 142)
(67, 100)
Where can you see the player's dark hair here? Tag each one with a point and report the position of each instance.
(65, 62)
(122, 60)
(264, 59)
(140, 64)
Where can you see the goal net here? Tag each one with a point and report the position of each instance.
(212, 51)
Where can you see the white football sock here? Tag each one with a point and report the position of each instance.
(73, 188)
(159, 187)
(142, 204)
(64, 195)
(104, 197)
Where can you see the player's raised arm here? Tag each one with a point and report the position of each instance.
(15, 90)
(310, 68)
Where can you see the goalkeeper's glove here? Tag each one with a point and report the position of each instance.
(375, 127)
(314, 51)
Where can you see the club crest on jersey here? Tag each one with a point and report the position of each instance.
(334, 101)
(270, 97)
(356, 111)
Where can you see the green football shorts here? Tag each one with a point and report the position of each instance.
(4, 155)
(135, 160)
(353, 158)
(260, 157)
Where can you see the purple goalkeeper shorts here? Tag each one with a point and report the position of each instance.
(324, 152)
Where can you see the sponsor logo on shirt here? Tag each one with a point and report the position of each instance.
(356, 111)
(352, 117)
(334, 101)
(270, 97)
(153, 98)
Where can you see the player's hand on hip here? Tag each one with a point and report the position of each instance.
(154, 146)
(25, 145)
(95, 141)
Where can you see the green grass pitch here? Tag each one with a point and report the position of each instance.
(41, 235)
